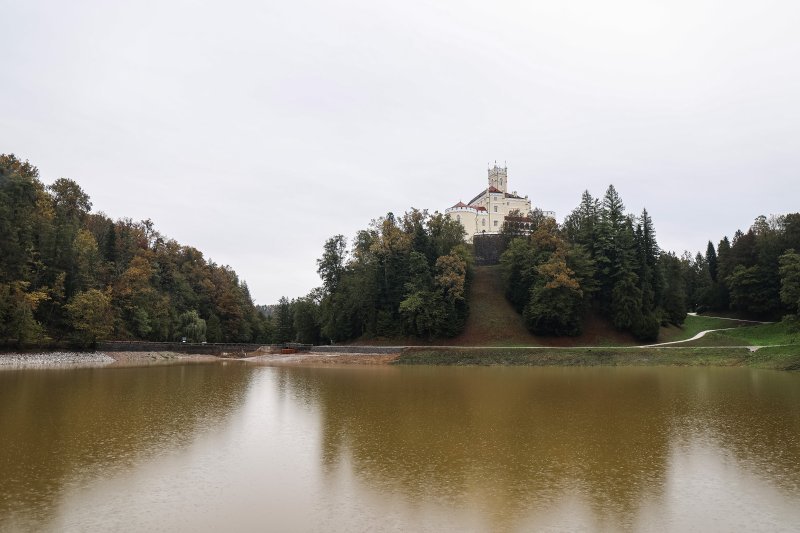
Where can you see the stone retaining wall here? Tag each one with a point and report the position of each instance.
(180, 347)
(488, 249)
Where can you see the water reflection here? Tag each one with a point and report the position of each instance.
(62, 428)
(516, 443)
(214, 447)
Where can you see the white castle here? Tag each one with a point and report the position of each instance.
(489, 210)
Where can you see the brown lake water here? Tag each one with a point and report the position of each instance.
(232, 447)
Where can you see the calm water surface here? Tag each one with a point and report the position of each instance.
(221, 447)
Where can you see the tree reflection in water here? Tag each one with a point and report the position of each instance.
(61, 427)
(512, 442)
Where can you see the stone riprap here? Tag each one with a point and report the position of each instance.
(53, 358)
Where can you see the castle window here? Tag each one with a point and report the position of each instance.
(495, 209)
(484, 221)
(495, 223)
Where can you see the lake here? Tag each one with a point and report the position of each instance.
(231, 446)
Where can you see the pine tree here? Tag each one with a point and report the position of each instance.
(675, 290)
(711, 259)
(213, 328)
(582, 224)
(284, 321)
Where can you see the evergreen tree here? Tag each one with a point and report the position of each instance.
(581, 225)
(519, 270)
(307, 319)
(711, 259)
(284, 321)
(674, 303)
(616, 252)
(626, 302)
(790, 280)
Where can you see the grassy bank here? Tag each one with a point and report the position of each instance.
(780, 358)
(694, 325)
(759, 335)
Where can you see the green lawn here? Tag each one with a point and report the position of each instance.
(758, 335)
(783, 358)
(778, 357)
(694, 325)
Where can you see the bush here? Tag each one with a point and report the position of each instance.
(645, 327)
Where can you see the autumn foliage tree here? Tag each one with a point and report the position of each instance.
(601, 259)
(67, 273)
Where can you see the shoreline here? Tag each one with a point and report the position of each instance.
(323, 359)
(786, 358)
(98, 359)
(107, 359)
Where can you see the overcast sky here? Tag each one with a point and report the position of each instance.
(255, 130)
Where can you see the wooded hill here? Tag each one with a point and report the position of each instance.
(601, 261)
(67, 274)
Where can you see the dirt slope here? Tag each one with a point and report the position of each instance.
(494, 322)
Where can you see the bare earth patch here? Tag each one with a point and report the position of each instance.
(149, 358)
(321, 359)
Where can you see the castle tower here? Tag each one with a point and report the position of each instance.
(498, 177)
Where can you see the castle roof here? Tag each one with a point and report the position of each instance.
(490, 190)
(475, 207)
(476, 198)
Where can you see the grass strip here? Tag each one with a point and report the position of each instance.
(779, 358)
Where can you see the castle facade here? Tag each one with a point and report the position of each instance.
(487, 212)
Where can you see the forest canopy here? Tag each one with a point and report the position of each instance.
(67, 274)
(607, 261)
(600, 259)
(409, 277)
(406, 276)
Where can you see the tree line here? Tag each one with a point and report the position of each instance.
(605, 260)
(600, 259)
(410, 276)
(756, 274)
(403, 276)
(70, 275)
(67, 274)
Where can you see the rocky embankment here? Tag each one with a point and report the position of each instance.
(54, 358)
(49, 359)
